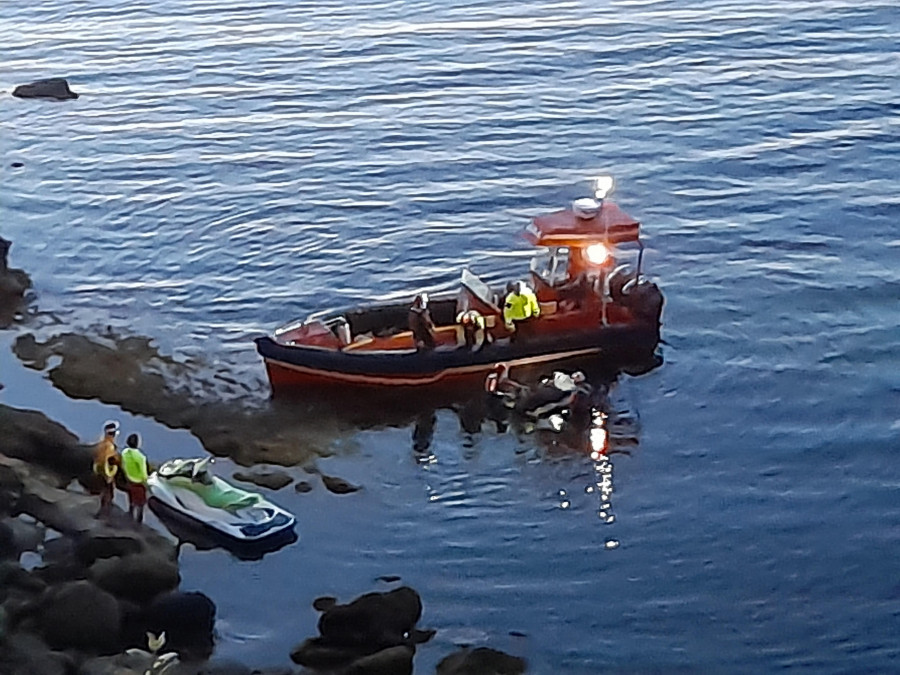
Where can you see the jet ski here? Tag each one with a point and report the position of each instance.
(187, 487)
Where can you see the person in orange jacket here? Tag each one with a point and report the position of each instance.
(106, 465)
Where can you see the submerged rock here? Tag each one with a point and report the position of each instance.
(481, 661)
(267, 478)
(131, 373)
(56, 88)
(338, 486)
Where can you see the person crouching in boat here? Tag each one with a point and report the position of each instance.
(134, 466)
(473, 326)
(105, 465)
(520, 309)
(420, 323)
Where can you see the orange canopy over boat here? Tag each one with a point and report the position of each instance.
(611, 225)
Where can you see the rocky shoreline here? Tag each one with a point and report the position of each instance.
(82, 595)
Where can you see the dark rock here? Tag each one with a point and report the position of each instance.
(317, 654)
(187, 618)
(390, 661)
(303, 486)
(55, 87)
(338, 485)
(324, 603)
(28, 535)
(7, 541)
(82, 616)
(267, 478)
(17, 165)
(92, 546)
(139, 577)
(132, 662)
(13, 576)
(27, 654)
(373, 621)
(30, 436)
(370, 624)
(481, 661)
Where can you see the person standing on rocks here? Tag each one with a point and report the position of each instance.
(106, 465)
(134, 465)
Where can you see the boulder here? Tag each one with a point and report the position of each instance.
(371, 624)
(27, 654)
(80, 615)
(391, 661)
(139, 577)
(373, 621)
(187, 618)
(481, 661)
(56, 88)
(338, 486)
(267, 478)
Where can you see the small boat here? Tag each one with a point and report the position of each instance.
(187, 487)
(594, 298)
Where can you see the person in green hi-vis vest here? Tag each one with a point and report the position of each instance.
(134, 466)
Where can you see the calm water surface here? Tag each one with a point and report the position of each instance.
(229, 166)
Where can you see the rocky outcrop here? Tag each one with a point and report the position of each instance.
(56, 88)
(13, 285)
(374, 633)
(481, 661)
(131, 373)
(30, 436)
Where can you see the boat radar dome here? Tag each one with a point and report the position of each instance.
(586, 207)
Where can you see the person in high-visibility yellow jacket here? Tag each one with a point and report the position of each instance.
(520, 307)
(134, 466)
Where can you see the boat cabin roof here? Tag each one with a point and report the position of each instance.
(610, 225)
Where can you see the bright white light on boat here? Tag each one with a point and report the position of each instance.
(597, 253)
(603, 186)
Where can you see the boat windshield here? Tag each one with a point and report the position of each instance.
(552, 265)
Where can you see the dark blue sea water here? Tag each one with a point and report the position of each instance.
(229, 166)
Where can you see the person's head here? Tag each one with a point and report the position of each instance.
(110, 428)
(578, 377)
(133, 441)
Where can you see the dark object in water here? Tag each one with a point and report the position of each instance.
(55, 87)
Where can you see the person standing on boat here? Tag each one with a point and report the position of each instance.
(134, 465)
(106, 464)
(520, 309)
(420, 323)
